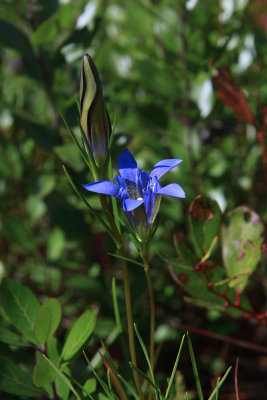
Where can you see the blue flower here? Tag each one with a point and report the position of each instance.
(136, 187)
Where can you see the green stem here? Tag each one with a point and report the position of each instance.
(110, 218)
(130, 320)
(145, 257)
(152, 317)
(127, 291)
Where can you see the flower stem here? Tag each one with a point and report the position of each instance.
(130, 320)
(152, 317)
(152, 313)
(127, 292)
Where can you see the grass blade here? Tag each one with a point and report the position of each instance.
(220, 384)
(129, 387)
(105, 387)
(158, 393)
(141, 373)
(174, 369)
(145, 354)
(194, 365)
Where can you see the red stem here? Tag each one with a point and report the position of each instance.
(236, 381)
(261, 317)
(228, 339)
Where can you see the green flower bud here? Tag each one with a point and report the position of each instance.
(95, 120)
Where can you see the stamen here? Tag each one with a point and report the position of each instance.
(132, 190)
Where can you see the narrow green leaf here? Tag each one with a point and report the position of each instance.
(132, 232)
(62, 389)
(21, 307)
(79, 334)
(84, 156)
(220, 384)
(116, 306)
(68, 375)
(63, 378)
(89, 153)
(194, 365)
(127, 259)
(90, 208)
(105, 387)
(145, 354)
(9, 337)
(174, 369)
(14, 380)
(112, 133)
(43, 373)
(129, 388)
(47, 320)
(143, 375)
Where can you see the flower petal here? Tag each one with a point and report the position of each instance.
(164, 166)
(126, 160)
(130, 204)
(173, 190)
(103, 187)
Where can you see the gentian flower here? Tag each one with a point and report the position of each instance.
(94, 115)
(138, 191)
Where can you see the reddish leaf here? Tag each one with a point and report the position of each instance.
(232, 96)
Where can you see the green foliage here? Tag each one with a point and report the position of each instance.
(158, 62)
(47, 320)
(79, 334)
(204, 219)
(43, 373)
(20, 306)
(242, 240)
(15, 380)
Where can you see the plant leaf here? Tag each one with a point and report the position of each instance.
(14, 380)
(194, 365)
(63, 378)
(47, 320)
(79, 334)
(9, 337)
(204, 219)
(21, 307)
(241, 244)
(43, 373)
(174, 369)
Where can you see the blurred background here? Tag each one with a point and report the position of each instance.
(157, 60)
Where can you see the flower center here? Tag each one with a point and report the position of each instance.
(132, 190)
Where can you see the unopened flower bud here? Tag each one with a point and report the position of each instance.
(95, 120)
